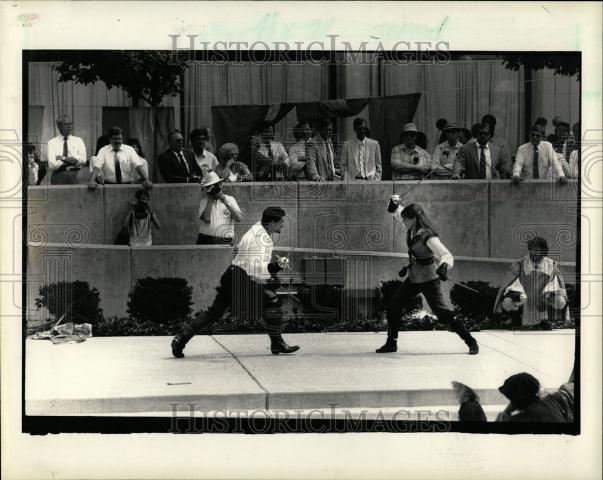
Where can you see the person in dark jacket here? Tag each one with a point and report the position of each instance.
(527, 404)
(178, 165)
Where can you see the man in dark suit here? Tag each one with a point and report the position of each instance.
(176, 164)
(480, 159)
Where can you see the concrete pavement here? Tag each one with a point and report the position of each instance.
(136, 375)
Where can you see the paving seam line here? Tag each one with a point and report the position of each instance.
(513, 358)
(246, 369)
(554, 359)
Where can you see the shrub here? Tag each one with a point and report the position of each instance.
(76, 300)
(471, 303)
(160, 300)
(124, 326)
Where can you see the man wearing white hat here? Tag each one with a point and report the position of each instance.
(409, 161)
(218, 213)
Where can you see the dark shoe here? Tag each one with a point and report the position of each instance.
(390, 346)
(473, 349)
(177, 346)
(282, 347)
(546, 325)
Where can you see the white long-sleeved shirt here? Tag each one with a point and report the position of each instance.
(442, 254)
(75, 148)
(128, 162)
(254, 252)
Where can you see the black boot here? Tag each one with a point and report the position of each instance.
(391, 346)
(178, 344)
(278, 345)
(460, 329)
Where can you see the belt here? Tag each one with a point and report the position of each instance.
(424, 261)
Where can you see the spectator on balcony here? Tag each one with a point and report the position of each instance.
(205, 160)
(118, 163)
(210, 141)
(479, 159)
(440, 124)
(573, 169)
(537, 160)
(320, 165)
(361, 158)
(445, 153)
(542, 122)
(176, 164)
(66, 154)
(465, 135)
(229, 168)
(136, 145)
(218, 213)
(35, 170)
(409, 161)
(502, 144)
(297, 152)
(271, 159)
(560, 138)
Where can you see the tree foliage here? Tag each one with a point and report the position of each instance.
(561, 63)
(146, 75)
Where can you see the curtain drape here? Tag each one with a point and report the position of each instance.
(462, 92)
(207, 85)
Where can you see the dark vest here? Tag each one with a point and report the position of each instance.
(422, 261)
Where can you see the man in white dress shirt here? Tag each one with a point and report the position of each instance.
(272, 161)
(118, 163)
(536, 159)
(248, 286)
(361, 158)
(66, 154)
(218, 213)
(206, 161)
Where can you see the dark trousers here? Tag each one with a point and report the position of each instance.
(432, 291)
(246, 298)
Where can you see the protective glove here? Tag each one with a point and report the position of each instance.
(402, 273)
(394, 203)
(274, 268)
(442, 271)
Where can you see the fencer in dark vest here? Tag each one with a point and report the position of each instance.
(429, 263)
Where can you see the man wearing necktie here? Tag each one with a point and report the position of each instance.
(117, 163)
(270, 159)
(361, 157)
(176, 164)
(320, 165)
(537, 159)
(479, 160)
(66, 154)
